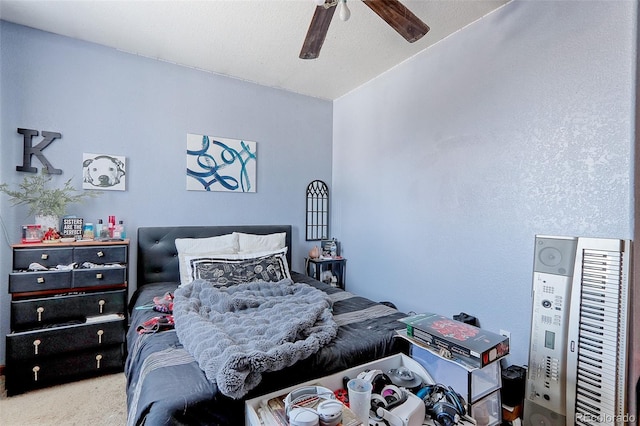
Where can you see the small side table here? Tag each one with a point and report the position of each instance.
(337, 266)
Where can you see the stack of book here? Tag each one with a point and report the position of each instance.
(452, 339)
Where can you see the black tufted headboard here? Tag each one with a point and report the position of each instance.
(158, 257)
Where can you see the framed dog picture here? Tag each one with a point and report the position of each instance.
(104, 172)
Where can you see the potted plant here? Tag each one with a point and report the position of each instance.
(46, 203)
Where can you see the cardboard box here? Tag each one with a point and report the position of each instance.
(454, 338)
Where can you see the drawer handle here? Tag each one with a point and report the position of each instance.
(98, 358)
(40, 310)
(100, 254)
(101, 303)
(35, 373)
(36, 343)
(44, 256)
(40, 280)
(98, 276)
(100, 333)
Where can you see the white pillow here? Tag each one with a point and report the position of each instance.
(211, 246)
(221, 244)
(253, 243)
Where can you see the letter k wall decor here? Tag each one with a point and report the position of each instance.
(30, 150)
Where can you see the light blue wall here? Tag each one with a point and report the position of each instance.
(110, 102)
(446, 167)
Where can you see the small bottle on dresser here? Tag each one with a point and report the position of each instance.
(112, 226)
(119, 231)
(104, 231)
(98, 229)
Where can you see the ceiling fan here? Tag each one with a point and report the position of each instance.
(393, 12)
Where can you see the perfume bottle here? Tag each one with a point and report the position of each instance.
(104, 232)
(98, 229)
(112, 226)
(119, 231)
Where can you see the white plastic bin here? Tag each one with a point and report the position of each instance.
(471, 383)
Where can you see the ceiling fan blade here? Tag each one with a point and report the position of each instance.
(400, 18)
(317, 32)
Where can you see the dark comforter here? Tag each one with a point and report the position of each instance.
(166, 386)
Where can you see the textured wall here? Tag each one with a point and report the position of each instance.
(446, 167)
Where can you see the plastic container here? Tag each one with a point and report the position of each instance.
(488, 411)
(472, 383)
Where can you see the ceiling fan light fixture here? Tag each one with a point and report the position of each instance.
(344, 11)
(393, 12)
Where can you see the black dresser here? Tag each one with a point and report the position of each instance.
(69, 321)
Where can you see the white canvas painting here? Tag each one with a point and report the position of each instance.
(104, 172)
(220, 164)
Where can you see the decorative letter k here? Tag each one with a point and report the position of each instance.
(29, 150)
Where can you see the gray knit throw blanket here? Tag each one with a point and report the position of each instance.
(236, 333)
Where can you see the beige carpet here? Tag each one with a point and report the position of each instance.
(97, 401)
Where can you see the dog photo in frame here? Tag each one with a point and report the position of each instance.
(104, 172)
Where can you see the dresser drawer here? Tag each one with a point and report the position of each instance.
(32, 374)
(100, 254)
(37, 312)
(20, 282)
(48, 257)
(93, 277)
(40, 343)
(66, 324)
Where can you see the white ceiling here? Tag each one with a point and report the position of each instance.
(253, 40)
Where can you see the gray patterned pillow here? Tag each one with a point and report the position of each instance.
(221, 271)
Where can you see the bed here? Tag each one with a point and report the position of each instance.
(165, 383)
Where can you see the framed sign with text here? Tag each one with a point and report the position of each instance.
(72, 227)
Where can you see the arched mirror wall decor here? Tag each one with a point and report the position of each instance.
(317, 211)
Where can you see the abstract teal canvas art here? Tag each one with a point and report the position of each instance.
(220, 164)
